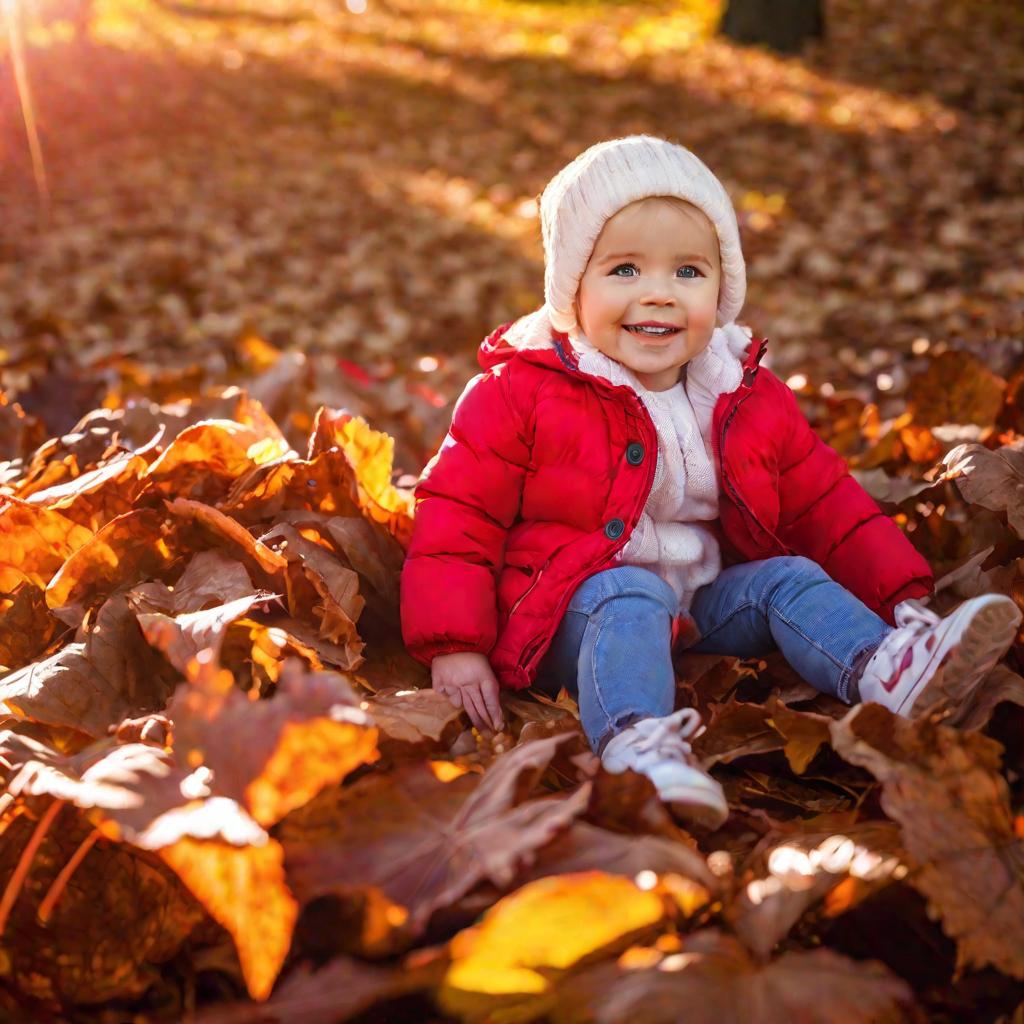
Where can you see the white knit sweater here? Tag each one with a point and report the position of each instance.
(670, 537)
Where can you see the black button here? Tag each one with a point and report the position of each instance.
(635, 453)
(613, 529)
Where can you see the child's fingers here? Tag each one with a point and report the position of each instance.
(474, 705)
(489, 689)
(454, 694)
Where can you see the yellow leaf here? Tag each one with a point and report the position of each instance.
(546, 926)
(243, 888)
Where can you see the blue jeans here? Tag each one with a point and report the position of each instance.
(613, 649)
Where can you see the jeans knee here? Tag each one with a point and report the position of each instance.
(623, 582)
(786, 570)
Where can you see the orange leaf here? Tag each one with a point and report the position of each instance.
(244, 889)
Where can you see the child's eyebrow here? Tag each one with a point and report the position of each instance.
(692, 256)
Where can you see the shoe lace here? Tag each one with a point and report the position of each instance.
(912, 620)
(671, 736)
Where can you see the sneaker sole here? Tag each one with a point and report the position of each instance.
(962, 668)
(693, 805)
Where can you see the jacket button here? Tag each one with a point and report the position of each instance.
(614, 528)
(635, 453)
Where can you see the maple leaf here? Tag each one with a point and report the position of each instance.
(272, 756)
(944, 789)
(425, 843)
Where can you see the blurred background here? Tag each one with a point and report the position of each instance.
(332, 203)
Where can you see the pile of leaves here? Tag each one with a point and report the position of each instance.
(229, 791)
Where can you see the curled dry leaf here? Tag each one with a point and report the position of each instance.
(128, 549)
(205, 459)
(181, 637)
(371, 454)
(991, 479)
(104, 676)
(945, 790)
(423, 718)
(336, 586)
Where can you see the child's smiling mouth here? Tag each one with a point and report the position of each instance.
(649, 335)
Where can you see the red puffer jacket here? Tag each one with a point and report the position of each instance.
(543, 476)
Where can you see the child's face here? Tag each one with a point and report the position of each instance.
(671, 278)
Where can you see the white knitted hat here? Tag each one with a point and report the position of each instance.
(595, 186)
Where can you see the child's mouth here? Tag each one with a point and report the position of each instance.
(652, 334)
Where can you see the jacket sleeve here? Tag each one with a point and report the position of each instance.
(466, 499)
(825, 515)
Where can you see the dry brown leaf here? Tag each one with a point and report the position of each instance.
(118, 919)
(129, 548)
(717, 982)
(803, 732)
(104, 676)
(945, 790)
(735, 730)
(336, 586)
(181, 637)
(956, 387)
(425, 843)
(423, 718)
(272, 756)
(991, 479)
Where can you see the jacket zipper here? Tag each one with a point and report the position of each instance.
(526, 593)
(737, 500)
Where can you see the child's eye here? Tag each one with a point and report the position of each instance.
(632, 266)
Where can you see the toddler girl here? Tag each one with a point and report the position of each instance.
(622, 481)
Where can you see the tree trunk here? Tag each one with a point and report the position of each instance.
(781, 25)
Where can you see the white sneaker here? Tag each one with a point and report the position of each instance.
(659, 749)
(966, 644)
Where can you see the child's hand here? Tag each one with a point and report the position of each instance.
(467, 680)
